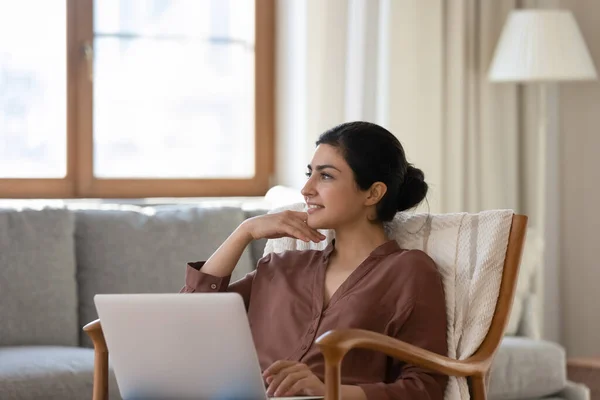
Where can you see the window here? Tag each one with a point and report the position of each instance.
(136, 98)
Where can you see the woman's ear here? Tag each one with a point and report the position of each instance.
(376, 193)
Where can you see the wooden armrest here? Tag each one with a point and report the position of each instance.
(336, 343)
(94, 331)
(95, 324)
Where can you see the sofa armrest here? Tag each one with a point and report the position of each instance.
(575, 391)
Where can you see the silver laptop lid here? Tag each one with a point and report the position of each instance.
(184, 346)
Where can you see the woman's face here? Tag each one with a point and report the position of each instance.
(331, 193)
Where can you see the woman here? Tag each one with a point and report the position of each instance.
(357, 180)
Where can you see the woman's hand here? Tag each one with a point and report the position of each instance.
(283, 224)
(291, 378)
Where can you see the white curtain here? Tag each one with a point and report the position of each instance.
(330, 69)
(480, 136)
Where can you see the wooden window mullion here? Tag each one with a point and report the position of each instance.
(83, 107)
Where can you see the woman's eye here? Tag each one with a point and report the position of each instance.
(323, 175)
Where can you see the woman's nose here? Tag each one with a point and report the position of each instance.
(308, 189)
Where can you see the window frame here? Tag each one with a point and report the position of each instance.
(80, 182)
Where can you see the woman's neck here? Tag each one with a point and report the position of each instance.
(352, 245)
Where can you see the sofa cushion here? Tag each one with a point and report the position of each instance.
(131, 249)
(48, 372)
(38, 291)
(524, 368)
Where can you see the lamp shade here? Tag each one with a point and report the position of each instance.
(541, 45)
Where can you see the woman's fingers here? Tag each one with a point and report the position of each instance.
(278, 366)
(301, 215)
(286, 223)
(291, 378)
(298, 220)
(299, 387)
(299, 227)
(284, 376)
(289, 381)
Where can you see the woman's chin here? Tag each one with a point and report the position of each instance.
(317, 224)
(313, 222)
(312, 225)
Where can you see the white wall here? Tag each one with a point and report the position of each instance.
(579, 105)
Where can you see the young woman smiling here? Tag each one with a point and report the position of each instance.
(357, 180)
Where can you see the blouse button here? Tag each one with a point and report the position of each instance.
(213, 286)
(304, 347)
(311, 330)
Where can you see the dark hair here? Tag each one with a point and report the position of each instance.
(375, 155)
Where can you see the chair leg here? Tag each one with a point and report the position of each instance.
(333, 364)
(478, 388)
(94, 331)
(332, 381)
(100, 375)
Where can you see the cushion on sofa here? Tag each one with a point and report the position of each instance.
(525, 368)
(49, 372)
(38, 291)
(145, 249)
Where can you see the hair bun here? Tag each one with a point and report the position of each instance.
(413, 190)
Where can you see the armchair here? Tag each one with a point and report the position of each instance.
(335, 344)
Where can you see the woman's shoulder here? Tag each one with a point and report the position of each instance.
(414, 256)
(415, 273)
(413, 263)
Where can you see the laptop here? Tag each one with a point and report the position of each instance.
(176, 346)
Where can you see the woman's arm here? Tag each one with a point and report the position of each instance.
(425, 328)
(214, 274)
(350, 392)
(287, 223)
(223, 261)
(422, 322)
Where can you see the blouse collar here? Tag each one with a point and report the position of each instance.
(389, 247)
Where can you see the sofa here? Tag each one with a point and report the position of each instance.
(56, 255)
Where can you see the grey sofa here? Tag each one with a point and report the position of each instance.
(53, 260)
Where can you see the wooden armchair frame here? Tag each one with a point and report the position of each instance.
(336, 343)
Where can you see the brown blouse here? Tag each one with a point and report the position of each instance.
(395, 292)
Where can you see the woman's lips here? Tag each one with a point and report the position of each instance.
(313, 209)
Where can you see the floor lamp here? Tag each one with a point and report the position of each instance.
(544, 47)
